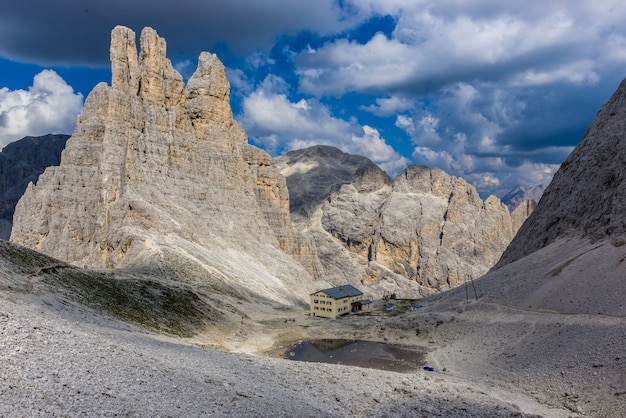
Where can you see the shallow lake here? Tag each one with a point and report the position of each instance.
(370, 354)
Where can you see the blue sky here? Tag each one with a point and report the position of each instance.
(497, 92)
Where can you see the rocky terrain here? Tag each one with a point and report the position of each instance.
(541, 336)
(421, 233)
(182, 314)
(21, 162)
(159, 179)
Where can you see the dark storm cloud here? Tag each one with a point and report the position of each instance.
(496, 92)
(74, 31)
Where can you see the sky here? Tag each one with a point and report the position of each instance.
(494, 91)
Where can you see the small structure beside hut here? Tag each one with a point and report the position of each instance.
(337, 301)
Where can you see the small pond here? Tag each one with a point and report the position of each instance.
(370, 354)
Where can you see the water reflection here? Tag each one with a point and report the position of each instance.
(368, 354)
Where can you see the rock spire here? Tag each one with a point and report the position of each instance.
(158, 176)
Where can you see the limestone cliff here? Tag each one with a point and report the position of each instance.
(423, 232)
(586, 198)
(159, 177)
(22, 162)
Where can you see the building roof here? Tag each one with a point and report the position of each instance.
(342, 291)
(362, 302)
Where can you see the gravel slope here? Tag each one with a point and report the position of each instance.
(63, 366)
(513, 351)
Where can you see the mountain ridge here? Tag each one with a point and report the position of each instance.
(422, 232)
(519, 194)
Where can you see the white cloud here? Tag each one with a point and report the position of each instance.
(239, 81)
(405, 123)
(495, 92)
(344, 66)
(48, 106)
(373, 146)
(186, 68)
(277, 124)
(433, 158)
(527, 175)
(425, 129)
(479, 115)
(579, 72)
(485, 182)
(459, 130)
(387, 106)
(435, 44)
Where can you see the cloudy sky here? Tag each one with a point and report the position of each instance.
(495, 91)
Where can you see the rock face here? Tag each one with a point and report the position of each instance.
(425, 226)
(158, 177)
(587, 196)
(21, 162)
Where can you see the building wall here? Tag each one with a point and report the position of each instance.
(327, 307)
(323, 305)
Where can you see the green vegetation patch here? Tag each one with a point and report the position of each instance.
(147, 303)
(24, 259)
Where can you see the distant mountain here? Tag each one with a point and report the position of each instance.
(519, 194)
(587, 196)
(425, 226)
(315, 173)
(21, 162)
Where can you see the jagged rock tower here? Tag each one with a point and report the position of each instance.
(159, 177)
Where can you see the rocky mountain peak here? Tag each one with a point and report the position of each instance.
(586, 197)
(125, 73)
(422, 232)
(316, 172)
(521, 194)
(158, 176)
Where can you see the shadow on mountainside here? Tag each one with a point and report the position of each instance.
(156, 306)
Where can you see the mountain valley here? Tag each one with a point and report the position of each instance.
(164, 267)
